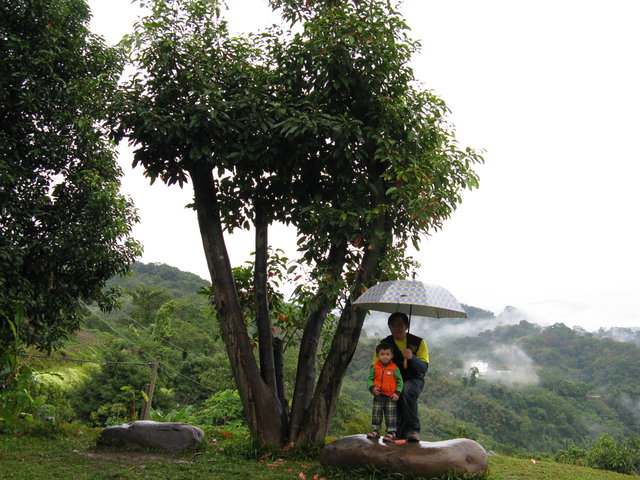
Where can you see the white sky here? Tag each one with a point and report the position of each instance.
(551, 91)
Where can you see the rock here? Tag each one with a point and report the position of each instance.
(422, 459)
(148, 434)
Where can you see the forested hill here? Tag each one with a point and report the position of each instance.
(531, 387)
(501, 380)
(160, 275)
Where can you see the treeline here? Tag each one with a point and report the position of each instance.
(515, 389)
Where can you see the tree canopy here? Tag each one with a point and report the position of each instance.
(325, 129)
(64, 226)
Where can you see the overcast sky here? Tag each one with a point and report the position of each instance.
(551, 91)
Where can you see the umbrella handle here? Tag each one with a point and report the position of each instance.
(405, 363)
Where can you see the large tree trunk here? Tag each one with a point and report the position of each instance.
(258, 399)
(320, 412)
(307, 357)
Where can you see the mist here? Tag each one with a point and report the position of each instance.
(510, 365)
(437, 330)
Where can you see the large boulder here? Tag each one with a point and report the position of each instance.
(148, 434)
(421, 459)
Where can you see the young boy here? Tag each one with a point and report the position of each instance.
(385, 384)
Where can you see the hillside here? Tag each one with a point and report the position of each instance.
(515, 388)
(527, 387)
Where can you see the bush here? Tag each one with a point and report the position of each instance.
(20, 396)
(573, 456)
(607, 454)
(110, 414)
(351, 417)
(174, 415)
(222, 408)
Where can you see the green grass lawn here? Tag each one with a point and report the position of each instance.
(76, 456)
(510, 468)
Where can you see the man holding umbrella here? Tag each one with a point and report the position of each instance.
(411, 355)
(410, 352)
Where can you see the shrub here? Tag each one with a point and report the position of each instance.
(573, 456)
(174, 415)
(110, 414)
(20, 396)
(607, 454)
(221, 408)
(351, 417)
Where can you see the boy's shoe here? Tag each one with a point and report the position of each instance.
(413, 436)
(389, 437)
(373, 435)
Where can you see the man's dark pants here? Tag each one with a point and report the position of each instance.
(408, 420)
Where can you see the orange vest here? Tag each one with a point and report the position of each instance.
(384, 377)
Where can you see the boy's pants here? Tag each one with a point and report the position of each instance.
(383, 405)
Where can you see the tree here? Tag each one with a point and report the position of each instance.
(324, 130)
(64, 226)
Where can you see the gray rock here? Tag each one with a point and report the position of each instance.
(423, 459)
(148, 434)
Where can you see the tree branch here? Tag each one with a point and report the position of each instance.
(258, 400)
(263, 319)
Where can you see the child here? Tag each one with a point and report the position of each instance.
(385, 384)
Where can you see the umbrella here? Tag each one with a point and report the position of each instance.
(411, 297)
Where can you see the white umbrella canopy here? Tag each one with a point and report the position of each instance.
(411, 297)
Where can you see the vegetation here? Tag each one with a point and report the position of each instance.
(570, 415)
(323, 129)
(320, 125)
(64, 226)
(72, 453)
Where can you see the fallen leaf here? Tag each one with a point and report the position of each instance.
(302, 476)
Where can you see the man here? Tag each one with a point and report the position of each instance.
(411, 354)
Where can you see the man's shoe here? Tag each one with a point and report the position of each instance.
(413, 436)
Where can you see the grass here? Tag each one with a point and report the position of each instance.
(510, 468)
(75, 455)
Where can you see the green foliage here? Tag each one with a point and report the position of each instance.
(19, 396)
(161, 276)
(110, 414)
(607, 454)
(567, 407)
(64, 226)
(35, 457)
(112, 392)
(146, 302)
(556, 415)
(322, 127)
(287, 317)
(222, 408)
(173, 415)
(351, 417)
(572, 455)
